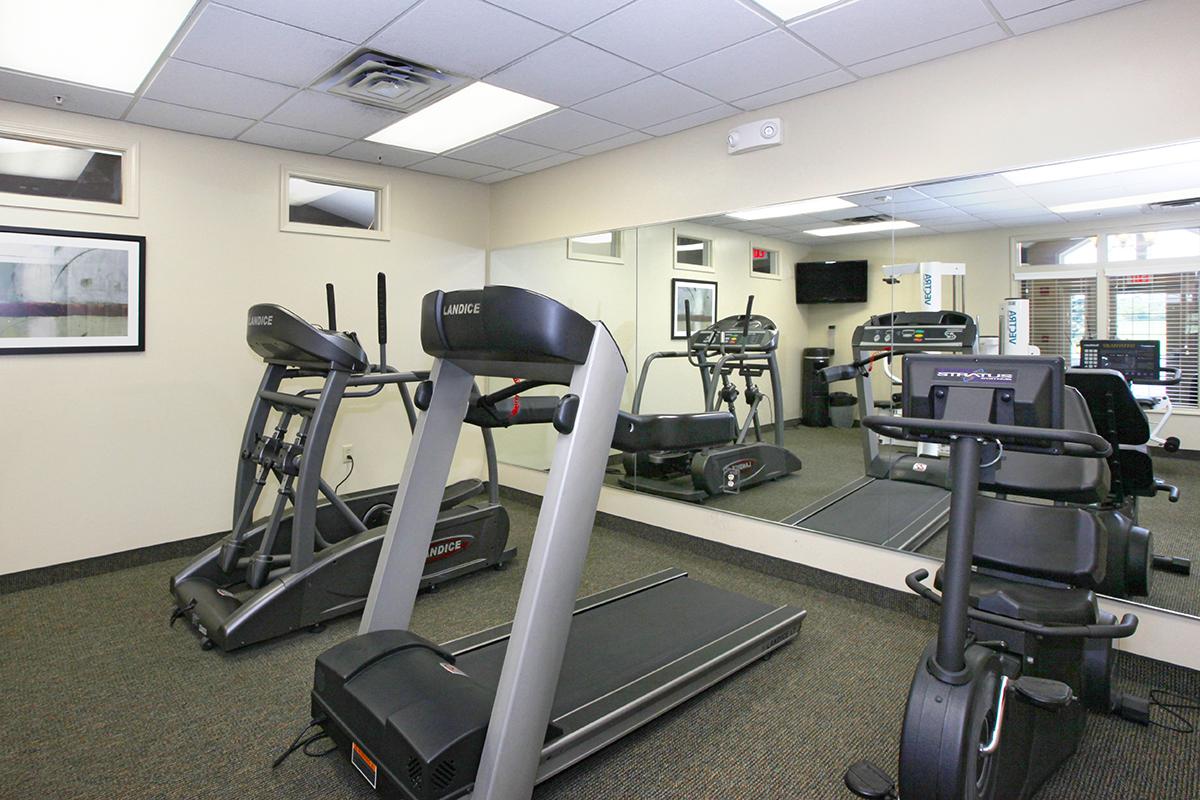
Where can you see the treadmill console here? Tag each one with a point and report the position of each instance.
(920, 330)
(1135, 359)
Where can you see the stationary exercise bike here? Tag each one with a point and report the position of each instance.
(999, 699)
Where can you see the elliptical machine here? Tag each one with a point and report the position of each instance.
(998, 700)
(271, 576)
(744, 343)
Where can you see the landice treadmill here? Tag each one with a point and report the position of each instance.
(492, 714)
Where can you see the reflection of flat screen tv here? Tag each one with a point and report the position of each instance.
(831, 282)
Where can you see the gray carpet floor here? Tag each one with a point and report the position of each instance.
(832, 457)
(102, 700)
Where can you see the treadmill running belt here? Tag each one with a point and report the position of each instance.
(882, 512)
(616, 643)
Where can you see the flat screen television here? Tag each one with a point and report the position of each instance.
(831, 282)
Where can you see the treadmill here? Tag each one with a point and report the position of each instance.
(903, 499)
(494, 713)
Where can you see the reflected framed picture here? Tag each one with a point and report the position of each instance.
(71, 292)
(694, 299)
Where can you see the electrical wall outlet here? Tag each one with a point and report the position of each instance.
(347, 453)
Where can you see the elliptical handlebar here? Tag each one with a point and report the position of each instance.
(1176, 378)
(331, 306)
(1075, 443)
(746, 324)
(845, 372)
(381, 297)
(1123, 629)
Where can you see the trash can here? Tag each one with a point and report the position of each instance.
(841, 409)
(814, 391)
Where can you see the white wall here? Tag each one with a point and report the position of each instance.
(674, 385)
(107, 452)
(1032, 99)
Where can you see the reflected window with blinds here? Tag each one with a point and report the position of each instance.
(1165, 307)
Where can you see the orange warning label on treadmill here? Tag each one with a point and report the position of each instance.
(364, 764)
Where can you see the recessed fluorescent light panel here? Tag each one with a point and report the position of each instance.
(866, 227)
(111, 44)
(814, 206)
(1126, 202)
(790, 9)
(1105, 165)
(468, 114)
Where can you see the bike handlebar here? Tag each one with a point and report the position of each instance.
(1075, 443)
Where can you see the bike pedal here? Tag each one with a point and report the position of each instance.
(869, 781)
(1044, 692)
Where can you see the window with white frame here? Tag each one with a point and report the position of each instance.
(62, 172)
(1123, 284)
(332, 206)
(603, 247)
(693, 253)
(764, 263)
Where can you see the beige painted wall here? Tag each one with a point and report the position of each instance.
(107, 452)
(1032, 99)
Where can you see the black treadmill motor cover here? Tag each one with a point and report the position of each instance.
(276, 334)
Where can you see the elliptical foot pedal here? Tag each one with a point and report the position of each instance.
(1043, 692)
(867, 780)
(1133, 708)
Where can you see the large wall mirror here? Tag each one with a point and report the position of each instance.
(1058, 259)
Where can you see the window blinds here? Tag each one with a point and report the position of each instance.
(1062, 312)
(1163, 306)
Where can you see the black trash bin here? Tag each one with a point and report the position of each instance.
(841, 409)
(814, 391)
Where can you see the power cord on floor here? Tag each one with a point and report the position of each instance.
(303, 743)
(348, 474)
(1159, 699)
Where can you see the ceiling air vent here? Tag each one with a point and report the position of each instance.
(389, 82)
(1171, 205)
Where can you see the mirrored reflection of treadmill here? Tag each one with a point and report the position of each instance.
(903, 499)
(494, 713)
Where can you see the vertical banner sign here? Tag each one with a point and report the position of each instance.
(1014, 326)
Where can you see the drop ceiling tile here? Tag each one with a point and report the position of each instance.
(546, 163)
(469, 37)
(373, 153)
(665, 33)
(1062, 12)
(182, 118)
(943, 189)
(293, 138)
(867, 29)
(928, 52)
(1013, 218)
(566, 130)
(990, 197)
(453, 168)
(625, 139)
(648, 102)
(964, 226)
(566, 15)
(502, 153)
(567, 72)
(319, 111)
(351, 22)
(210, 89)
(753, 66)
(793, 90)
(909, 207)
(945, 215)
(693, 120)
(496, 177)
(233, 40)
(1014, 8)
(900, 194)
(39, 91)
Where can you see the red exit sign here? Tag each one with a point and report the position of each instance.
(759, 253)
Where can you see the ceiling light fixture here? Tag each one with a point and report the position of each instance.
(866, 227)
(112, 45)
(788, 10)
(1105, 165)
(1127, 201)
(469, 114)
(815, 206)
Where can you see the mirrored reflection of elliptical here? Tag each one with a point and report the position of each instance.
(742, 345)
(998, 700)
(300, 568)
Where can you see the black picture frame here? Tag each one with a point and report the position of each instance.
(702, 316)
(15, 307)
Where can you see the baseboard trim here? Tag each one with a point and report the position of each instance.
(98, 565)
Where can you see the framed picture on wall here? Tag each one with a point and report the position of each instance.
(71, 292)
(694, 299)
